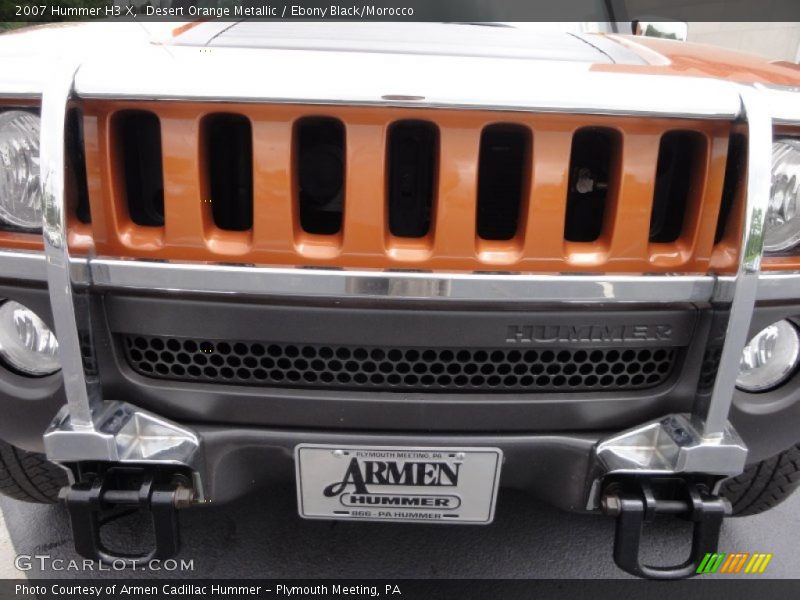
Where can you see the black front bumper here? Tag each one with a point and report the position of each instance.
(767, 422)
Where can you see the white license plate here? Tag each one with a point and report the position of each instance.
(375, 483)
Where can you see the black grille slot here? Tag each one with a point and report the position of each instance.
(76, 165)
(228, 141)
(679, 154)
(412, 162)
(502, 179)
(594, 154)
(735, 169)
(87, 354)
(138, 139)
(399, 369)
(709, 368)
(319, 145)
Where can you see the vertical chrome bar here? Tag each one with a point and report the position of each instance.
(62, 296)
(90, 429)
(759, 166)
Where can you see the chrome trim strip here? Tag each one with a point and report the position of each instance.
(108, 273)
(23, 265)
(62, 300)
(19, 95)
(759, 152)
(778, 286)
(225, 75)
(226, 279)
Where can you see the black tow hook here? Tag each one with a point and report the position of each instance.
(637, 500)
(98, 498)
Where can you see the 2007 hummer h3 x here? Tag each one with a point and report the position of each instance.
(410, 264)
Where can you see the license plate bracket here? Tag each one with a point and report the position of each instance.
(388, 483)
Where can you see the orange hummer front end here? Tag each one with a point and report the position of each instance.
(407, 265)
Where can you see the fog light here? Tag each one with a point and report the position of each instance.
(769, 358)
(26, 343)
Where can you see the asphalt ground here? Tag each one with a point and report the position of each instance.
(262, 536)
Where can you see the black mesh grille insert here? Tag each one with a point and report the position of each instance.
(678, 174)
(735, 177)
(593, 161)
(399, 369)
(228, 141)
(320, 172)
(708, 371)
(412, 163)
(76, 183)
(137, 134)
(502, 175)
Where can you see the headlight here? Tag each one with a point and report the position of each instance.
(769, 358)
(20, 192)
(26, 343)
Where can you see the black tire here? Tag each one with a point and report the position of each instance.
(29, 476)
(764, 485)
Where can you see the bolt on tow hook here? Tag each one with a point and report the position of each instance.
(636, 500)
(104, 494)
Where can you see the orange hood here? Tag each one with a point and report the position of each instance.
(669, 57)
